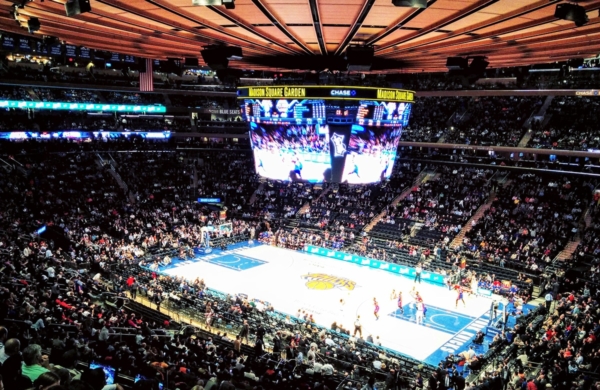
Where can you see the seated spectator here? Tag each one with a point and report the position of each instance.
(46, 381)
(34, 363)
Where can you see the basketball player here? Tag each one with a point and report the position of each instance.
(400, 302)
(420, 312)
(376, 308)
(393, 295)
(261, 165)
(386, 165)
(414, 294)
(354, 170)
(297, 166)
(474, 285)
(459, 296)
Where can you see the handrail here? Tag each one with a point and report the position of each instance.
(503, 167)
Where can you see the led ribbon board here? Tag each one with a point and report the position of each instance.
(327, 93)
(81, 106)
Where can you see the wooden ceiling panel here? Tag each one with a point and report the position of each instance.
(274, 32)
(294, 13)
(469, 21)
(503, 7)
(206, 13)
(428, 18)
(455, 5)
(368, 31)
(398, 34)
(339, 14)
(384, 13)
(506, 31)
(428, 36)
(342, 3)
(334, 34)
(307, 33)
(250, 12)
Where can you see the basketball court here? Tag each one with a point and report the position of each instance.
(293, 281)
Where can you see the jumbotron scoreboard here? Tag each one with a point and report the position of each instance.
(325, 133)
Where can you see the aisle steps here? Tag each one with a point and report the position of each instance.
(457, 241)
(256, 192)
(568, 251)
(420, 179)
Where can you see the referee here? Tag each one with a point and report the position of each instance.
(357, 327)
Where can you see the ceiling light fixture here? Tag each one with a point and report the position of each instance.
(410, 3)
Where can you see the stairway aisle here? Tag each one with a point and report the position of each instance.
(457, 241)
(306, 206)
(256, 192)
(419, 180)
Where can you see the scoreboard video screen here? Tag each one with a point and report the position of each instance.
(325, 134)
(284, 110)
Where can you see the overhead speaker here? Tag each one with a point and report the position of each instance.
(478, 65)
(234, 53)
(218, 57)
(33, 25)
(215, 59)
(575, 62)
(76, 7)
(410, 3)
(457, 63)
(572, 12)
(360, 58)
(191, 62)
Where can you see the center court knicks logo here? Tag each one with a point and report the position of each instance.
(327, 282)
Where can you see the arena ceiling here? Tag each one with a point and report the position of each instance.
(313, 34)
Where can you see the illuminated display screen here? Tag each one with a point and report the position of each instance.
(109, 372)
(291, 152)
(18, 135)
(81, 106)
(372, 113)
(326, 93)
(325, 134)
(317, 153)
(316, 111)
(370, 154)
(282, 110)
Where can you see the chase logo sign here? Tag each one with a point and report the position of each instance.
(343, 92)
(591, 92)
(327, 282)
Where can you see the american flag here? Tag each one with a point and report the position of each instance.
(146, 82)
